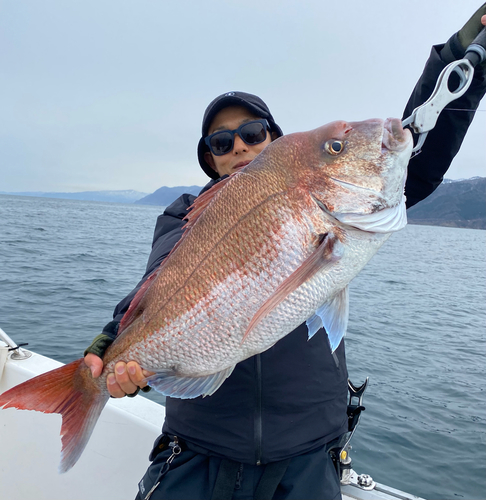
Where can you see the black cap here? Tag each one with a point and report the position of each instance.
(252, 102)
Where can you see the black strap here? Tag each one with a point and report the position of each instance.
(225, 480)
(271, 477)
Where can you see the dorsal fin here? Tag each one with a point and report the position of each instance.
(134, 310)
(197, 208)
(202, 201)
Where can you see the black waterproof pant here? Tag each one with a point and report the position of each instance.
(194, 476)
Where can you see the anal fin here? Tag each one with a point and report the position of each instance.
(170, 384)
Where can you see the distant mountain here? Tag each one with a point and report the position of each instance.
(128, 196)
(166, 195)
(460, 203)
(454, 204)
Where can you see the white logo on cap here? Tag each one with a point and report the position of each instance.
(229, 94)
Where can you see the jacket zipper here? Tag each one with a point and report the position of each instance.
(258, 412)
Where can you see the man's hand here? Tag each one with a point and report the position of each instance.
(126, 380)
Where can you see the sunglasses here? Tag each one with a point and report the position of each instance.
(254, 132)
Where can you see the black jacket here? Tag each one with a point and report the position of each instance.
(292, 398)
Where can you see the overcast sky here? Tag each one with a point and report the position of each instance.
(109, 94)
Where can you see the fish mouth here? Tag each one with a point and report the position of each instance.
(395, 137)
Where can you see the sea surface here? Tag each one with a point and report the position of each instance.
(417, 328)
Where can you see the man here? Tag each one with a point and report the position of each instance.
(267, 431)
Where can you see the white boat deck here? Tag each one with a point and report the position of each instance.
(114, 460)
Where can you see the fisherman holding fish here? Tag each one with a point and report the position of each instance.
(267, 423)
(267, 430)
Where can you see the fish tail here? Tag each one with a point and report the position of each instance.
(69, 391)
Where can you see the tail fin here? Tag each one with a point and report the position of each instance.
(69, 391)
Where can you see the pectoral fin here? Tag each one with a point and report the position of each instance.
(333, 316)
(329, 251)
(170, 384)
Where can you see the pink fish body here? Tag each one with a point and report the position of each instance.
(270, 247)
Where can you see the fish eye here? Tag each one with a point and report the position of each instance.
(334, 147)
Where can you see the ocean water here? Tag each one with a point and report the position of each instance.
(417, 328)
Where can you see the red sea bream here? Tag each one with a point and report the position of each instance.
(274, 245)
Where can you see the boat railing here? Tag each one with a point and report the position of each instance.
(16, 351)
(9, 349)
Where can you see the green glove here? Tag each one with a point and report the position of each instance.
(472, 28)
(456, 46)
(99, 345)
